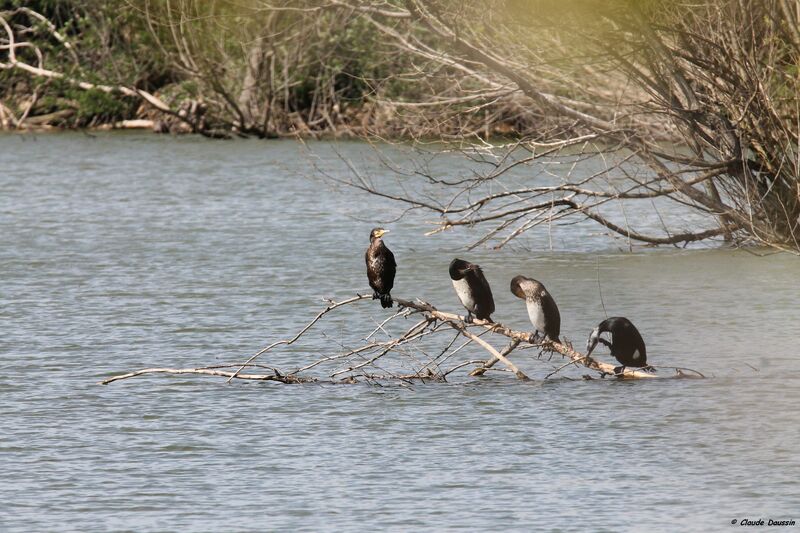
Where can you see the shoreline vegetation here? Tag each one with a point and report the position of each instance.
(692, 103)
(254, 69)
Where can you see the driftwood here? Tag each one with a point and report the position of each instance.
(135, 124)
(211, 371)
(49, 118)
(363, 363)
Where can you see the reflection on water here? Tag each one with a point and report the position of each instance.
(128, 251)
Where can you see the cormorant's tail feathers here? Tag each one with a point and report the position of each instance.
(386, 300)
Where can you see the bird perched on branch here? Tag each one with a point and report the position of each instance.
(472, 289)
(542, 308)
(381, 267)
(626, 345)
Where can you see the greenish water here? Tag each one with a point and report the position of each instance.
(121, 252)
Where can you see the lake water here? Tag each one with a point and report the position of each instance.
(127, 251)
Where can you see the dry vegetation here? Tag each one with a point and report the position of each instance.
(702, 96)
(719, 79)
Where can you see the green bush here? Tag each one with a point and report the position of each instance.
(99, 106)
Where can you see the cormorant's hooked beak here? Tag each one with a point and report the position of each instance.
(381, 233)
(592, 342)
(466, 270)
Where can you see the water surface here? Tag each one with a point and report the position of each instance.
(121, 252)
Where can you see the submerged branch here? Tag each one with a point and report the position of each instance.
(288, 379)
(432, 321)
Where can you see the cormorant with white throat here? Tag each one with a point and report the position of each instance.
(542, 308)
(381, 267)
(626, 345)
(472, 289)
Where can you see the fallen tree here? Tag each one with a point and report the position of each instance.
(365, 362)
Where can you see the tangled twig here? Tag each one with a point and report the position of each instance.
(432, 321)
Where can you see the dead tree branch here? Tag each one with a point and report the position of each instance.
(287, 379)
(406, 349)
(625, 80)
(333, 305)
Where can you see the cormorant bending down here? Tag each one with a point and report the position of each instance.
(626, 345)
(542, 309)
(472, 289)
(381, 267)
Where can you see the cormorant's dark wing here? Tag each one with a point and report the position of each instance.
(637, 341)
(372, 274)
(625, 341)
(552, 316)
(482, 294)
(389, 268)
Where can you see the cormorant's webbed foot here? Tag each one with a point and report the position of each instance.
(375, 295)
(386, 301)
(619, 370)
(534, 338)
(468, 318)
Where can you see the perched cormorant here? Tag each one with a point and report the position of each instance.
(472, 289)
(626, 345)
(542, 309)
(381, 267)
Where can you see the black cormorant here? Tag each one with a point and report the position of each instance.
(542, 309)
(626, 345)
(472, 289)
(381, 267)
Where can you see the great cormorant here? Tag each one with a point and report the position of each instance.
(627, 345)
(542, 309)
(472, 289)
(381, 267)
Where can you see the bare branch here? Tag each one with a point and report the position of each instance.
(333, 305)
(433, 322)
